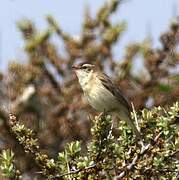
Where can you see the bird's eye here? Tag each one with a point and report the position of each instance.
(86, 68)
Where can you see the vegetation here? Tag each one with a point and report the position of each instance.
(49, 131)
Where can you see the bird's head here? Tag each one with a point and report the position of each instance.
(84, 72)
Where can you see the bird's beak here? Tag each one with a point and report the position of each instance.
(75, 67)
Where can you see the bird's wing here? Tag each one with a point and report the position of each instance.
(126, 107)
(108, 84)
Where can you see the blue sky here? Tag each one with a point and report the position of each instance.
(142, 16)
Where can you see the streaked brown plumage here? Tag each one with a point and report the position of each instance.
(102, 94)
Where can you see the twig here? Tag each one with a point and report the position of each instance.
(135, 117)
(26, 95)
(68, 169)
(76, 171)
(175, 152)
(110, 131)
(134, 161)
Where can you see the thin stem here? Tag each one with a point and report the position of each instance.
(135, 117)
(77, 171)
(136, 158)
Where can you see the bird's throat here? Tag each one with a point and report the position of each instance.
(85, 80)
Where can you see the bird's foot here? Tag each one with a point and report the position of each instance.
(102, 114)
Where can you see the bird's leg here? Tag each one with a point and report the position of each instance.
(104, 113)
(101, 114)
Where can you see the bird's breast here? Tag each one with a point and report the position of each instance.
(99, 97)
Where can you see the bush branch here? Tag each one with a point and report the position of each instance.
(136, 158)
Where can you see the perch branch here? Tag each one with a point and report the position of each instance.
(136, 158)
(77, 171)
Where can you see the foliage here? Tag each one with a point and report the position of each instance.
(7, 166)
(107, 156)
(50, 131)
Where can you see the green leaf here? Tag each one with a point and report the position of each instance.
(164, 88)
(177, 79)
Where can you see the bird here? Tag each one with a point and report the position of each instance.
(103, 94)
